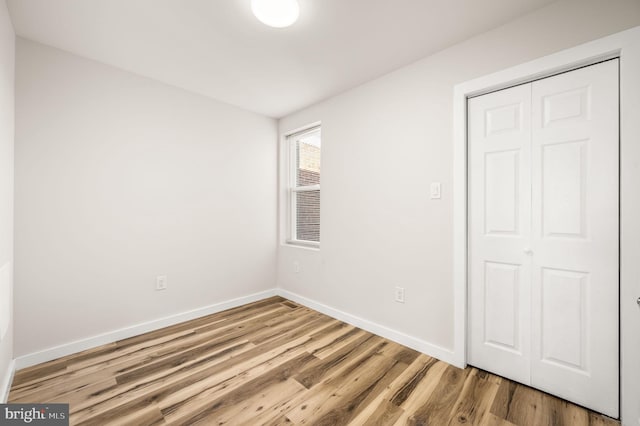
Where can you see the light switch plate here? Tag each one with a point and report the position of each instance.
(161, 282)
(435, 190)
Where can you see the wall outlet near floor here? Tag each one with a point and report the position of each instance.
(296, 267)
(399, 294)
(161, 282)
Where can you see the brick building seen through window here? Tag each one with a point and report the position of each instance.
(307, 187)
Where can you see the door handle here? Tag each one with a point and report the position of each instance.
(527, 251)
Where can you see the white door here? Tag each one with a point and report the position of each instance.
(500, 229)
(543, 283)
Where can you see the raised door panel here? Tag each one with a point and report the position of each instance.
(566, 107)
(501, 301)
(564, 190)
(565, 318)
(503, 119)
(502, 190)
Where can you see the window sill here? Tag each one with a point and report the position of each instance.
(303, 244)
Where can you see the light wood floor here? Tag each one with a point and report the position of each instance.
(274, 362)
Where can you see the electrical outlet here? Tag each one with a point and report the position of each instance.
(400, 294)
(161, 282)
(296, 267)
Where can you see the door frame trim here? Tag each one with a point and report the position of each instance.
(626, 46)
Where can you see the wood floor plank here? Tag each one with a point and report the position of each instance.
(327, 368)
(254, 404)
(231, 373)
(90, 361)
(192, 372)
(475, 400)
(406, 389)
(201, 394)
(66, 386)
(199, 378)
(556, 412)
(210, 406)
(56, 367)
(119, 365)
(332, 375)
(147, 387)
(350, 401)
(418, 389)
(275, 362)
(503, 399)
(337, 405)
(331, 337)
(525, 406)
(209, 320)
(384, 414)
(148, 415)
(76, 396)
(492, 420)
(596, 419)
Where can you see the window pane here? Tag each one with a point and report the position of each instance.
(308, 216)
(308, 159)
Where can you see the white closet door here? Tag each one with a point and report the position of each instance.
(544, 235)
(575, 236)
(500, 229)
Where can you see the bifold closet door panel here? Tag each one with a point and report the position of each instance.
(499, 218)
(575, 175)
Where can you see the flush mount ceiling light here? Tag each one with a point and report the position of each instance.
(276, 13)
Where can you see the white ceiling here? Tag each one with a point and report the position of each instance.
(218, 49)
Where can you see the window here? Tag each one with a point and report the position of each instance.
(304, 187)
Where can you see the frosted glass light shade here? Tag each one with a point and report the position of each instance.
(276, 13)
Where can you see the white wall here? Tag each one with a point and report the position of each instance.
(7, 62)
(118, 179)
(383, 144)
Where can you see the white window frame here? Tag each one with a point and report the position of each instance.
(290, 140)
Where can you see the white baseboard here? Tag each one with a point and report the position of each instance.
(5, 385)
(124, 333)
(49, 354)
(425, 347)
